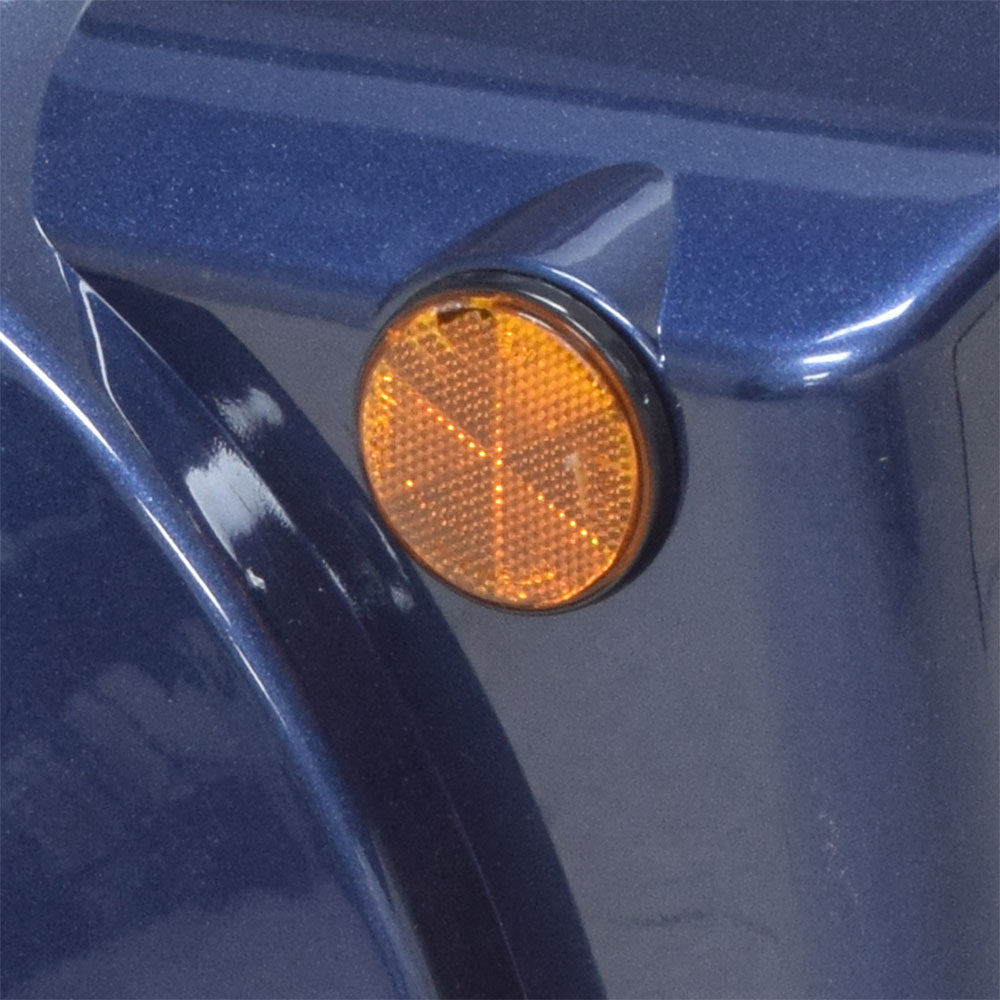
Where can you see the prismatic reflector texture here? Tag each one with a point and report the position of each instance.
(502, 450)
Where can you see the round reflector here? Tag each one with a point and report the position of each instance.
(503, 449)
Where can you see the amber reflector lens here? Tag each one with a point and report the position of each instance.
(503, 450)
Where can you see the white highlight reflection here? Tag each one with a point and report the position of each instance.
(827, 359)
(894, 313)
(55, 252)
(252, 414)
(188, 565)
(56, 391)
(231, 497)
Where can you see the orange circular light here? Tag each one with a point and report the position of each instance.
(503, 449)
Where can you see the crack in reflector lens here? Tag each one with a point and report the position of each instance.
(503, 450)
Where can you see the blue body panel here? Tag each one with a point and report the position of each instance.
(158, 837)
(767, 765)
(345, 178)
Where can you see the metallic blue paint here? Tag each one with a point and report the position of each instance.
(168, 828)
(327, 631)
(824, 251)
(769, 763)
(366, 830)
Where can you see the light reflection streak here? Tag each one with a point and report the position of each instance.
(55, 253)
(838, 357)
(85, 293)
(59, 393)
(231, 497)
(827, 359)
(389, 546)
(252, 414)
(894, 313)
(245, 660)
(176, 549)
(337, 582)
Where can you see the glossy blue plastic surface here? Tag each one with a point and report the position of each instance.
(350, 154)
(331, 637)
(158, 839)
(769, 763)
(361, 827)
